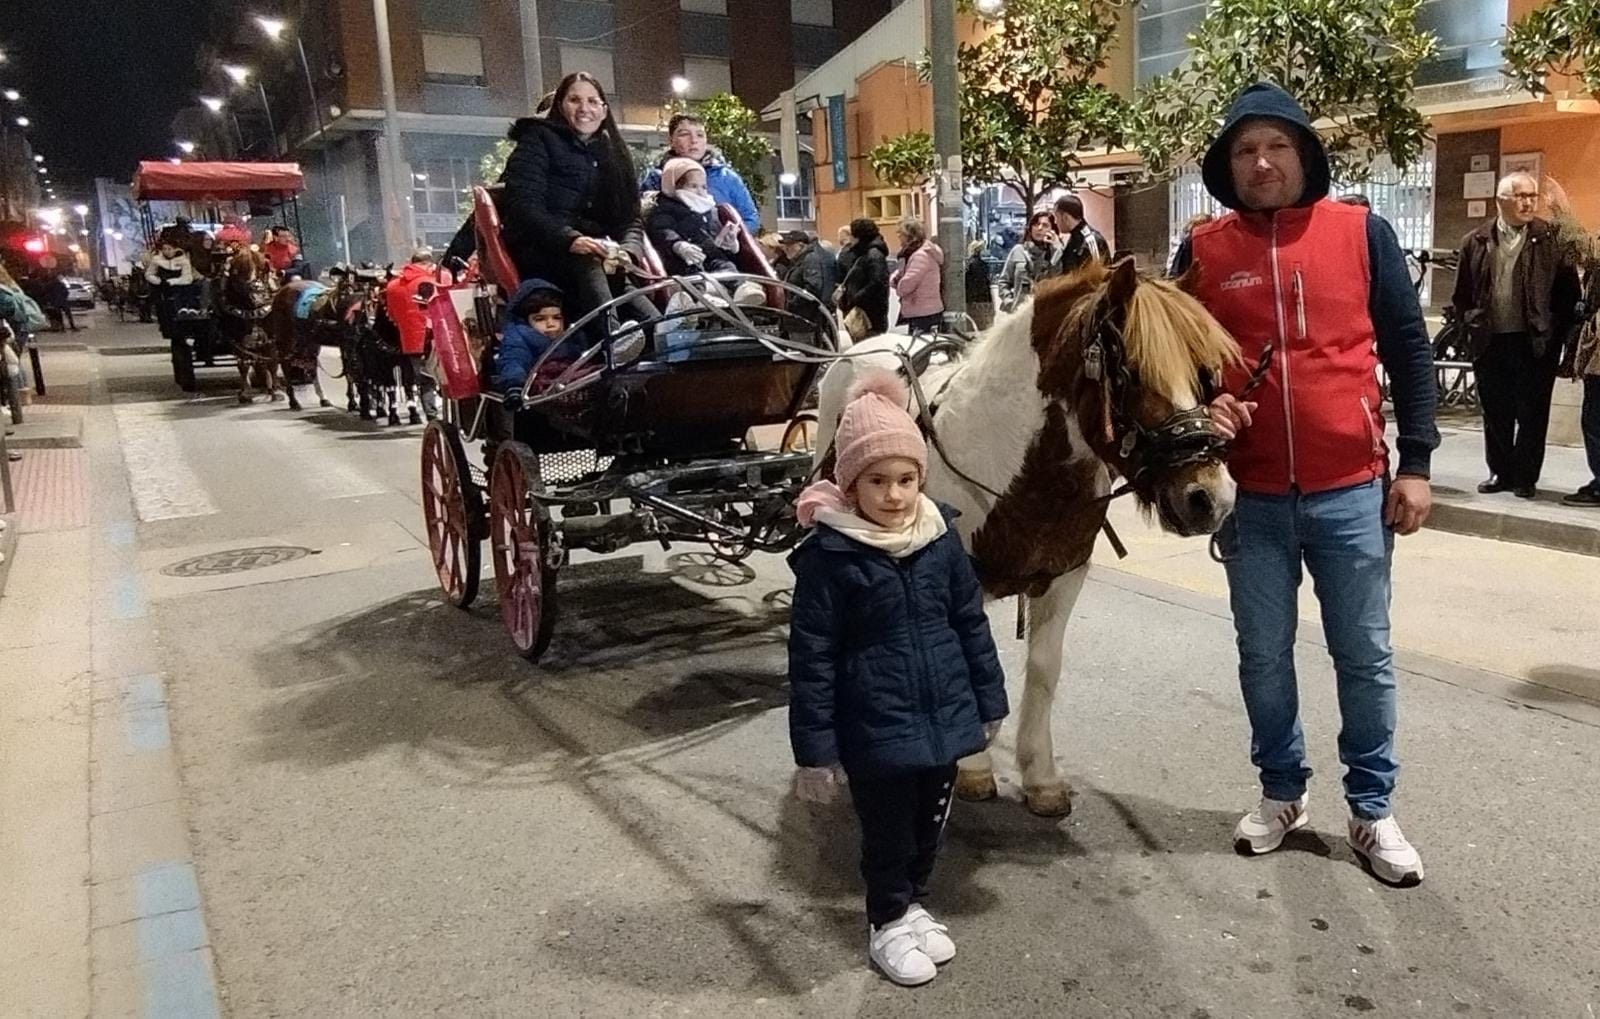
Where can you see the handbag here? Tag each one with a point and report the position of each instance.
(857, 324)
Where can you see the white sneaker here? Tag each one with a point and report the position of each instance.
(1262, 830)
(933, 936)
(750, 294)
(895, 949)
(1384, 849)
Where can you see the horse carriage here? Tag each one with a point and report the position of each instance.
(191, 326)
(634, 431)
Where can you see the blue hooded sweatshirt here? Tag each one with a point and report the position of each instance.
(1403, 344)
(521, 345)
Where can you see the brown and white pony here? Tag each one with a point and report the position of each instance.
(1099, 376)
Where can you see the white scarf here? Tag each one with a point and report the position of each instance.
(697, 201)
(926, 527)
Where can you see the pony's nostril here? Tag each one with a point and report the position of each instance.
(1200, 503)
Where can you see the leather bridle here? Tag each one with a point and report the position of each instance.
(1186, 437)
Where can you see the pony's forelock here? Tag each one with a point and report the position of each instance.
(1168, 333)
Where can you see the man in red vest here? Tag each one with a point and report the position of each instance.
(400, 299)
(1324, 286)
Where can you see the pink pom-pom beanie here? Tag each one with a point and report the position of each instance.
(875, 426)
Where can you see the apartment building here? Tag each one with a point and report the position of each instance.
(463, 69)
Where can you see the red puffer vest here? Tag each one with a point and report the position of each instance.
(399, 300)
(1300, 279)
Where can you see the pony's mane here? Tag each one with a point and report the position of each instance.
(1167, 333)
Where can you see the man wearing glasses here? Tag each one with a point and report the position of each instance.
(1517, 299)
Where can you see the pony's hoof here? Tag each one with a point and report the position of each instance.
(351, 408)
(414, 418)
(277, 397)
(326, 403)
(1048, 801)
(246, 399)
(394, 419)
(975, 785)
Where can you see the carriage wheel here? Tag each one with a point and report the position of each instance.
(452, 508)
(801, 435)
(519, 533)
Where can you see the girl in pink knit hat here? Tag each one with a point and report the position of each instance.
(893, 673)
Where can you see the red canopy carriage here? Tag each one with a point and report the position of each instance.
(209, 184)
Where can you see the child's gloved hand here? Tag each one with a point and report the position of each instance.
(690, 253)
(818, 785)
(991, 730)
(728, 237)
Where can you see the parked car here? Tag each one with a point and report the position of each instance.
(80, 292)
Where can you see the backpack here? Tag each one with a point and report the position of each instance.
(35, 317)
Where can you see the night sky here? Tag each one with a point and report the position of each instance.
(100, 79)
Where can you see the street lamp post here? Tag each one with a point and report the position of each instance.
(399, 179)
(947, 144)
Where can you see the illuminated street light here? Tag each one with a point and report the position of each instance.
(211, 103)
(51, 217)
(12, 94)
(74, 248)
(38, 159)
(187, 147)
(273, 27)
(680, 85)
(239, 74)
(23, 122)
(82, 210)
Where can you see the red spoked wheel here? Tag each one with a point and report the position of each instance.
(519, 539)
(452, 509)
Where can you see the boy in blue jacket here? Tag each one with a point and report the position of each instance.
(534, 320)
(893, 673)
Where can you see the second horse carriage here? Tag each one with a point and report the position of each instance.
(637, 432)
(189, 313)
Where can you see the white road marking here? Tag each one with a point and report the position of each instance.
(164, 488)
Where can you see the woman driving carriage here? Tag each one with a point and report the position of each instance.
(570, 199)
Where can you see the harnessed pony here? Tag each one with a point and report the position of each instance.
(1102, 374)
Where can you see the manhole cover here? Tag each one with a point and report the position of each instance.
(237, 560)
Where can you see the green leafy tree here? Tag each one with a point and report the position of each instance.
(905, 161)
(1029, 101)
(490, 167)
(734, 131)
(1562, 36)
(1350, 63)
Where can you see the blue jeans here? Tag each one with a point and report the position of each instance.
(1591, 426)
(1341, 538)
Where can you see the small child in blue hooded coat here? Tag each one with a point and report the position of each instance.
(534, 320)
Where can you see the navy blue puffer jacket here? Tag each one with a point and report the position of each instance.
(891, 663)
(557, 190)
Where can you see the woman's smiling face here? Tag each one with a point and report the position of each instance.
(583, 108)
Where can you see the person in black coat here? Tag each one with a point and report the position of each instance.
(866, 283)
(570, 207)
(980, 287)
(893, 673)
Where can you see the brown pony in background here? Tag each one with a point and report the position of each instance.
(247, 289)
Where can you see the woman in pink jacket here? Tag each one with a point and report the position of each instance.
(919, 278)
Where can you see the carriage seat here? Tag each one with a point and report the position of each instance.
(495, 258)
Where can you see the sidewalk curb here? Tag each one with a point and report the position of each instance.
(1500, 526)
(8, 548)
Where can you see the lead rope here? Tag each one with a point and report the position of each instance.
(1258, 375)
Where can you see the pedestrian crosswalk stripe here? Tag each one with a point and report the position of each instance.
(163, 485)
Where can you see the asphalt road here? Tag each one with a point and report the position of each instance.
(393, 815)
